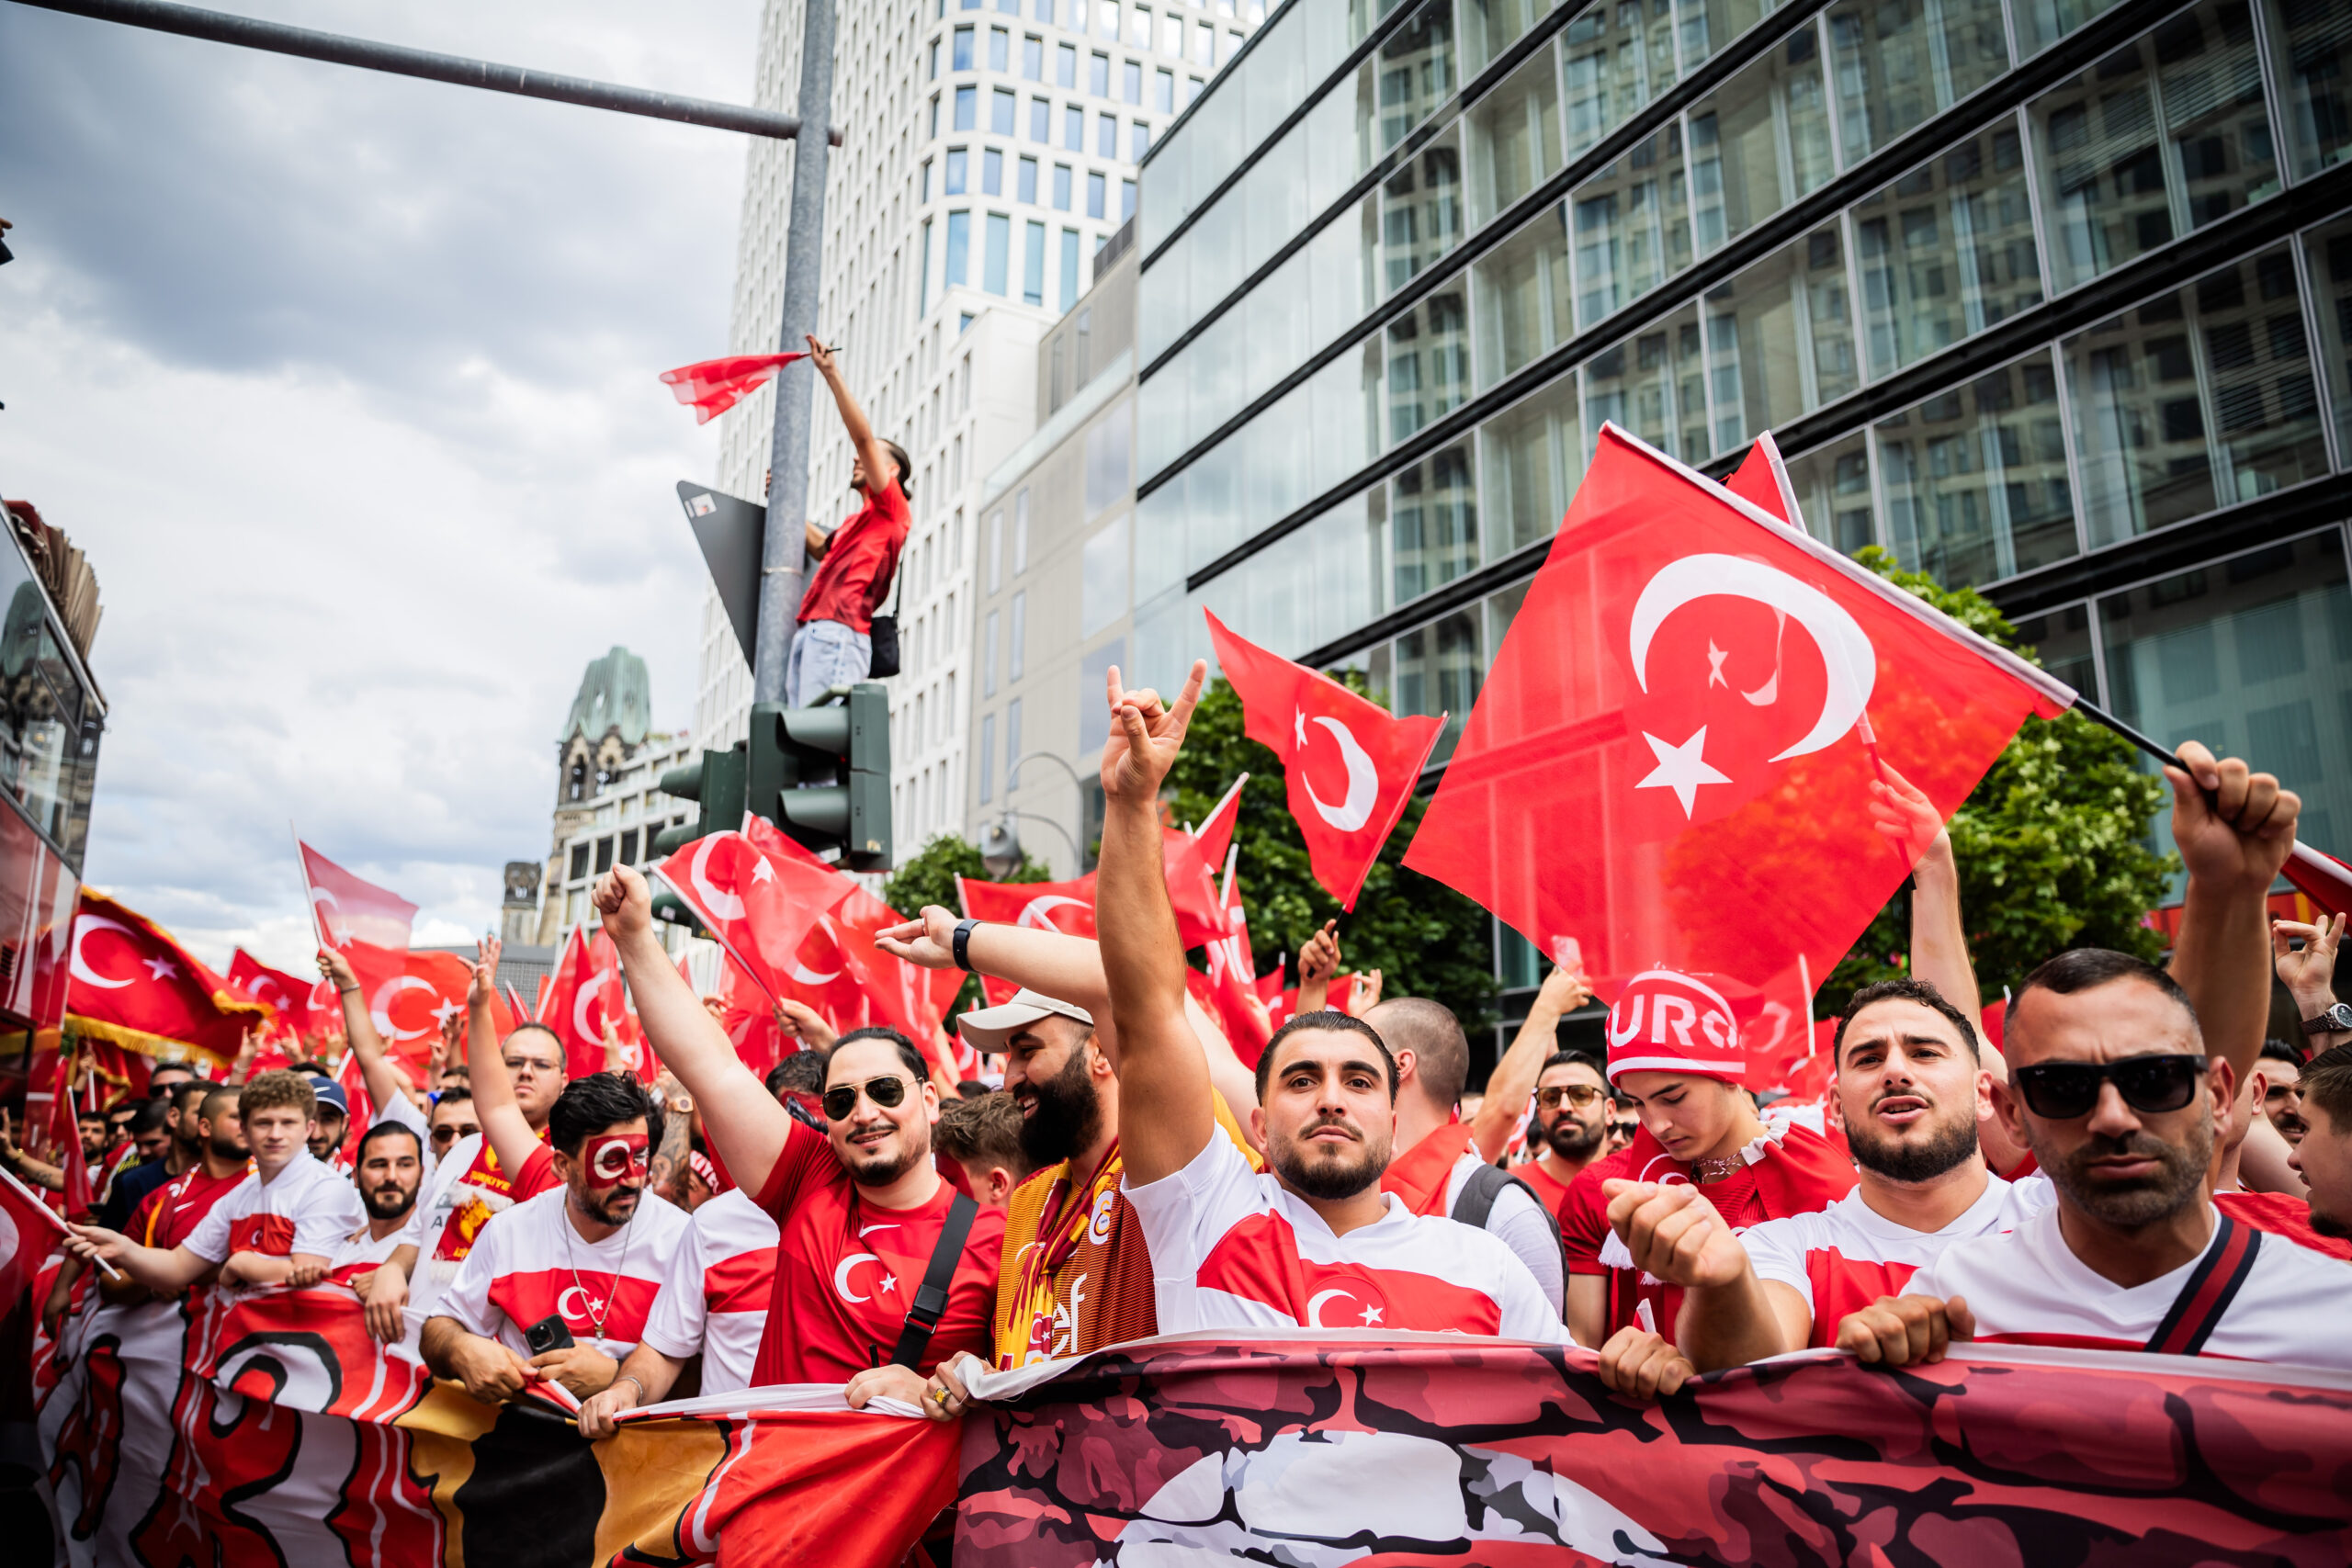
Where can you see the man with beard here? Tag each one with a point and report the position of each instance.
(332, 1121)
(389, 1170)
(2279, 1089)
(588, 1256)
(1910, 1086)
(215, 1166)
(1569, 1124)
(1314, 1243)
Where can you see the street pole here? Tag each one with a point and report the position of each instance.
(784, 548)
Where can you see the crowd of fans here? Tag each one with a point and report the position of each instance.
(2134, 1166)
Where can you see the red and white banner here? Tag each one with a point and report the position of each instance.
(286, 997)
(759, 906)
(368, 924)
(587, 997)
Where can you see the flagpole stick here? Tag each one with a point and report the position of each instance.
(2098, 714)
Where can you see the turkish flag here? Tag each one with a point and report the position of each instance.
(1763, 477)
(1365, 759)
(133, 985)
(1233, 986)
(287, 998)
(750, 1019)
(1065, 907)
(409, 1009)
(2320, 878)
(1670, 759)
(368, 924)
(586, 995)
(757, 906)
(712, 386)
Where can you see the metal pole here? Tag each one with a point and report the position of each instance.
(784, 548)
(219, 27)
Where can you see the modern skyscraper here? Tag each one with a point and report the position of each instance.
(987, 153)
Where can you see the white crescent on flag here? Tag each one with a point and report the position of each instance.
(81, 968)
(588, 993)
(722, 905)
(1363, 779)
(1037, 913)
(380, 1011)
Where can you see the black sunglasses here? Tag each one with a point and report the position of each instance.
(887, 1092)
(2064, 1090)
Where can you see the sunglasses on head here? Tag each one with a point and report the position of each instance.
(2060, 1091)
(889, 1093)
(1577, 1094)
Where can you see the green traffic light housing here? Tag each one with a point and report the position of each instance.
(716, 784)
(822, 774)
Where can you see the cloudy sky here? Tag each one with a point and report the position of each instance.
(345, 384)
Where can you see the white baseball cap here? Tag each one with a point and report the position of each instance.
(986, 1029)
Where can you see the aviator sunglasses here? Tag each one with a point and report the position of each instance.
(2060, 1091)
(889, 1093)
(1577, 1094)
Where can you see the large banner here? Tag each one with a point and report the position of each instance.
(1426, 1450)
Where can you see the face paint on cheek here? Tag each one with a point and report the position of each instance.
(613, 1159)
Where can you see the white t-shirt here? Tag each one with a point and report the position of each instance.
(1844, 1256)
(730, 1248)
(306, 1208)
(2029, 1287)
(530, 1262)
(1520, 1222)
(1231, 1249)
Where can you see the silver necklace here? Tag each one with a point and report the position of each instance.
(596, 1320)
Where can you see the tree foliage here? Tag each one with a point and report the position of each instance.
(2054, 843)
(930, 878)
(1425, 939)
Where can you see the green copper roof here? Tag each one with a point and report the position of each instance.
(614, 695)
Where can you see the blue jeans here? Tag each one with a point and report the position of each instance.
(825, 654)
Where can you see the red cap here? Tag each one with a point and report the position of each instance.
(1666, 1022)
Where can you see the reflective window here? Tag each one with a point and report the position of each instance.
(1433, 523)
(1061, 187)
(2162, 137)
(1002, 106)
(1429, 361)
(2252, 656)
(2311, 51)
(2041, 23)
(1489, 27)
(1521, 287)
(1438, 670)
(1032, 58)
(1000, 46)
(1108, 443)
(1833, 490)
(959, 246)
(1758, 141)
(1103, 563)
(2061, 640)
(1160, 546)
(959, 161)
(1901, 61)
(1065, 65)
(2195, 399)
(1344, 402)
(2328, 255)
(992, 171)
(1026, 189)
(1616, 57)
(1514, 136)
(1033, 261)
(1947, 251)
(1975, 478)
(988, 756)
(999, 260)
(1654, 385)
(1632, 226)
(1410, 75)
(1533, 456)
(46, 762)
(963, 57)
(1016, 651)
(968, 109)
(1421, 209)
(1780, 340)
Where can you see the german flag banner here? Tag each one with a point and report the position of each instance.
(1425, 1449)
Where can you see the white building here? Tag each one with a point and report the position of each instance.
(987, 153)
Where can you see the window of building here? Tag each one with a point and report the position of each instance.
(1780, 340)
(963, 37)
(1433, 523)
(1098, 75)
(968, 109)
(1110, 443)
(1614, 59)
(1438, 670)
(1139, 26)
(1065, 65)
(1203, 44)
(959, 246)
(1759, 141)
(992, 171)
(963, 320)
(999, 256)
(1163, 90)
(579, 863)
(1946, 251)
(1040, 120)
(1633, 227)
(1074, 128)
(1429, 360)
(1974, 480)
(1520, 294)
(1653, 384)
(1131, 81)
(1171, 35)
(988, 758)
(1421, 209)
(1012, 742)
(1106, 136)
(1097, 188)
(1020, 531)
(1127, 199)
(1061, 187)
(2312, 53)
(1017, 627)
(1000, 50)
(923, 273)
(1033, 262)
(1025, 187)
(959, 163)
(1192, 86)
(604, 855)
(1069, 267)
(1533, 456)
(934, 115)
(629, 847)
(1398, 87)
(1138, 140)
(1514, 137)
(1899, 64)
(1003, 106)
(996, 550)
(1833, 490)
(1104, 576)
(934, 60)
(1033, 56)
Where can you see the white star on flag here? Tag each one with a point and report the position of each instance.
(1715, 657)
(446, 1011)
(889, 1283)
(1682, 769)
(160, 968)
(763, 871)
(1372, 1316)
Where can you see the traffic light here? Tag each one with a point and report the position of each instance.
(848, 737)
(716, 784)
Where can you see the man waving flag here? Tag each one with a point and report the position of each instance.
(1350, 764)
(1672, 759)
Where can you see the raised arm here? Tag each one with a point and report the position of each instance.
(862, 439)
(743, 1121)
(503, 1126)
(2232, 845)
(376, 1068)
(1318, 960)
(2309, 972)
(1513, 1080)
(1164, 1115)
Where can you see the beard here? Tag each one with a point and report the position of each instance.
(227, 1148)
(2179, 1177)
(1328, 1177)
(1069, 1114)
(1573, 1140)
(612, 1206)
(880, 1171)
(389, 1201)
(1900, 1160)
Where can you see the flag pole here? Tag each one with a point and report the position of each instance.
(2098, 714)
(309, 894)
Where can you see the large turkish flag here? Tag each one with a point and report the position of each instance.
(1671, 757)
(132, 984)
(586, 995)
(1365, 759)
(285, 996)
(759, 907)
(368, 924)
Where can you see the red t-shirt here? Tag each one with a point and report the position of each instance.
(1553, 1195)
(2281, 1214)
(846, 1272)
(849, 583)
(168, 1215)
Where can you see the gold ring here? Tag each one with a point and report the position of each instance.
(940, 1394)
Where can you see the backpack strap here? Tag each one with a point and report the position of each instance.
(1488, 1183)
(931, 1300)
(2212, 1286)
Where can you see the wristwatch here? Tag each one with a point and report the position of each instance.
(962, 945)
(2333, 1020)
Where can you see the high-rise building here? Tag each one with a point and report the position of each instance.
(988, 152)
(2048, 297)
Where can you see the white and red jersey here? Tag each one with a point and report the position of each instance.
(2028, 1287)
(306, 1208)
(359, 1252)
(1232, 1249)
(730, 1248)
(1844, 1256)
(530, 1262)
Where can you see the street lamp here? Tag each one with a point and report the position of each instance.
(1000, 843)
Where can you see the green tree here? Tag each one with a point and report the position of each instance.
(1424, 938)
(2054, 843)
(930, 878)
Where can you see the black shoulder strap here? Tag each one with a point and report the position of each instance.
(931, 1300)
(2209, 1289)
(1488, 1183)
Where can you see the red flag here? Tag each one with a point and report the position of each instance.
(287, 998)
(1066, 907)
(1763, 479)
(359, 1101)
(759, 907)
(133, 985)
(2320, 878)
(749, 1018)
(408, 1008)
(585, 997)
(1682, 785)
(1365, 759)
(80, 1197)
(1215, 835)
(711, 387)
(368, 924)
(1233, 985)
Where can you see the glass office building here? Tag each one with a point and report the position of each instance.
(2049, 297)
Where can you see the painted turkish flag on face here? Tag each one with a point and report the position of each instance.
(1350, 764)
(1671, 757)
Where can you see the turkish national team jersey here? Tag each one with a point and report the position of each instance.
(1232, 1249)
(1554, 1194)
(846, 1272)
(531, 1263)
(359, 1252)
(2287, 1218)
(2028, 1287)
(1842, 1258)
(730, 1248)
(169, 1215)
(308, 1207)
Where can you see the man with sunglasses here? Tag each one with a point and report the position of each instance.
(1569, 1125)
(862, 1211)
